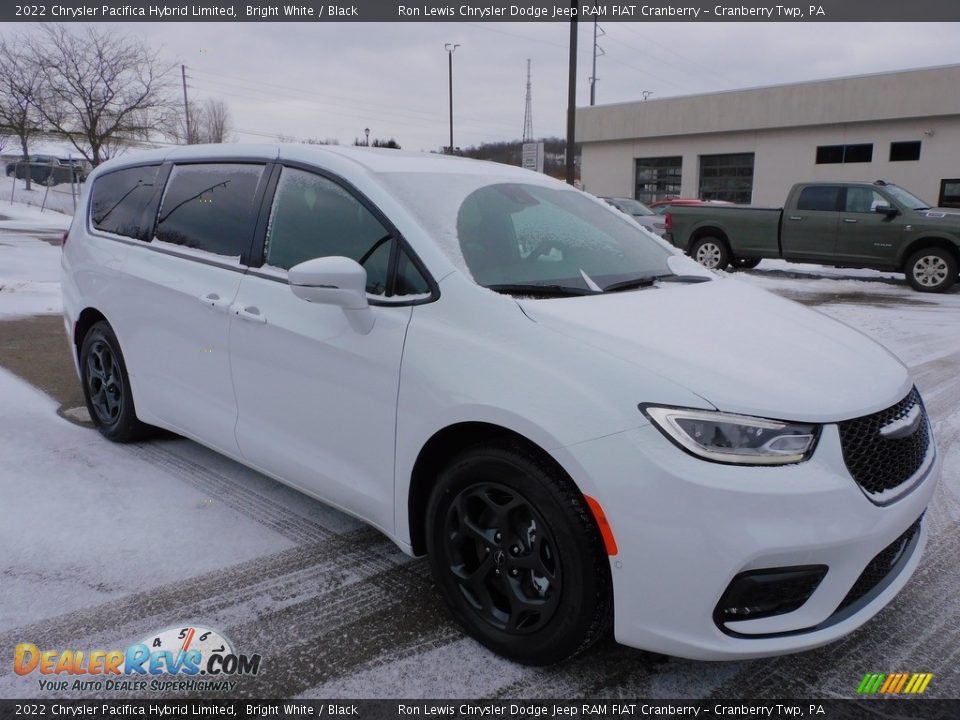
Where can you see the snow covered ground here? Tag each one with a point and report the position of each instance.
(30, 261)
(103, 544)
(57, 198)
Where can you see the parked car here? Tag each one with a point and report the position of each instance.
(862, 225)
(662, 207)
(576, 424)
(48, 169)
(640, 213)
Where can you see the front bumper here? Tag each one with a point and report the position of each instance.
(685, 528)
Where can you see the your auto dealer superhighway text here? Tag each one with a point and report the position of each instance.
(623, 709)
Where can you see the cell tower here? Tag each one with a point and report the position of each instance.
(528, 112)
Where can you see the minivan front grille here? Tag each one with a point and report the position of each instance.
(885, 449)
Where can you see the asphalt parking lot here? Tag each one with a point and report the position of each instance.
(107, 544)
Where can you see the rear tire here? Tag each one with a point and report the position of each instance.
(931, 270)
(517, 555)
(106, 386)
(711, 252)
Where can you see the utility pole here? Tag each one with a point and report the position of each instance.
(572, 94)
(186, 105)
(597, 50)
(450, 48)
(528, 110)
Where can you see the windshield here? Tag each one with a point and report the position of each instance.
(632, 207)
(907, 199)
(506, 234)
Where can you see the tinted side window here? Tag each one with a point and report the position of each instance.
(818, 197)
(863, 200)
(119, 201)
(314, 217)
(409, 280)
(210, 207)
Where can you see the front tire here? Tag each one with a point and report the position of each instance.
(711, 252)
(932, 270)
(517, 556)
(106, 385)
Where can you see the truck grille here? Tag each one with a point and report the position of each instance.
(877, 462)
(880, 566)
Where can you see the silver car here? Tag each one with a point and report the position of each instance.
(640, 214)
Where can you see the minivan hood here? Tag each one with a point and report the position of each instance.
(742, 349)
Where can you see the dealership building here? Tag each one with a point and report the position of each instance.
(751, 146)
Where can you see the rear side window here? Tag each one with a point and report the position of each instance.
(120, 202)
(819, 197)
(210, 207)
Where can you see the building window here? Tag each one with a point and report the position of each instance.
(657, 178)
(949, 194)
(727, 177)
(901, 151)
(832, 154)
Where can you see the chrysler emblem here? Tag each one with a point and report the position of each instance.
(904, 426)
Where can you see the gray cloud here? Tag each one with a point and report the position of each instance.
(333, 80)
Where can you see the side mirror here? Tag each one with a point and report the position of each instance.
(887, 210)
(330, 281)
(335, 281)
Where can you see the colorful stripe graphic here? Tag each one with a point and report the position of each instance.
(894, 683)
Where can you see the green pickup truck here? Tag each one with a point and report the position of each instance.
(845, 224)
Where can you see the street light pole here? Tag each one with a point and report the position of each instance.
(572, 94)
(366, 132)
(450, 47)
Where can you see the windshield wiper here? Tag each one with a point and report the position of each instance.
(648, 280)
(540, 290)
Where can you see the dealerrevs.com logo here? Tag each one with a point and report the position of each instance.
(187, 658)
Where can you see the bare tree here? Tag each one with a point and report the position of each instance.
(98, 87)
(19, 83)
(217, 124)
(210, 122)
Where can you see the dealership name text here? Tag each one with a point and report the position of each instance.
(620, 709)
(555, 12)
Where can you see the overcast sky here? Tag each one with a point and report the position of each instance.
(322, 80)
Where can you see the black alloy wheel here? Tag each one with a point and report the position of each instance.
(106, 385)
(503, 558)
(105, 382)
(517, 555)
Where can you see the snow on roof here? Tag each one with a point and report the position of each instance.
(375, 160)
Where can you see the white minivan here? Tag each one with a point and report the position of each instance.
(577, 425)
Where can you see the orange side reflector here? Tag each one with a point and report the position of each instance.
(605, 531)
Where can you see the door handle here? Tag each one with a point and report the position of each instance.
(796, 217)
(849, 220)
(250, 313)
(215, 301)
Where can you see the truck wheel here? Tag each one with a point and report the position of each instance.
(745, 263)
(931, 269)
(711, 252)
(517, 556)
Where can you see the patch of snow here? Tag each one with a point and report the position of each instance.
(84, 521)
(58, 197)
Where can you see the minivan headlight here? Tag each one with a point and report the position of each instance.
(735, 439)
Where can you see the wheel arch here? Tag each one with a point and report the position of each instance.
(705, 231)
(87, 318)
(927, 241)
(442, 447)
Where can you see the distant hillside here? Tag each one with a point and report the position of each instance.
(510, 153)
